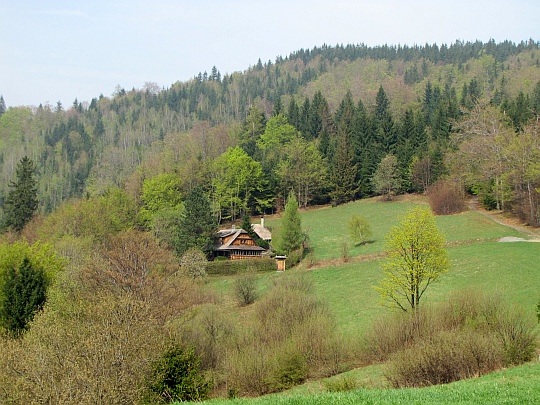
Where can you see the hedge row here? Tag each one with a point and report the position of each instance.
(227, 267)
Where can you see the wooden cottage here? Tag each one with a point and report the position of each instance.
(237, 244)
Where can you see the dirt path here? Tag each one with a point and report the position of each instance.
(532, 233)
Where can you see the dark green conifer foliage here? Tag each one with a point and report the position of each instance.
(24, 293)
(176, 376)
(197, 226)
(2, 105)
(21, 202)
(386, 132)
(293, 114)
(343, 172)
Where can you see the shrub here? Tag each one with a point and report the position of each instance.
(245, 289)
(209, 330)
(295, 257)
(446, 198)
(470, 335)
(194, 262)
(290, 369)
(446, 357)
(293, 338)
(344, 251)
(175, 376)
(344, 383)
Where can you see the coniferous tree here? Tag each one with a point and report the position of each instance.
(291, 235)
(23, 294)
(386, 132)
(197, 226)
(21, 202)
(2, 105)
(343, 172)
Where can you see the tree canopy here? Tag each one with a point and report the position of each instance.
(416, 258)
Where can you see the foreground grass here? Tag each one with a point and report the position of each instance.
(519, 385)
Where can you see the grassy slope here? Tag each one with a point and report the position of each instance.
(478, 262)
(519, 385)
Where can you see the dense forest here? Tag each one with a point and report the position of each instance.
(318, 121)
(103, 202)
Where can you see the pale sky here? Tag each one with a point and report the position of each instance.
(61, 50)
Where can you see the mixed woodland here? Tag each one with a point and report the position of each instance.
(125, 184)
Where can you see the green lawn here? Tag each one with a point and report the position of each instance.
(327, 226)
(510, 268)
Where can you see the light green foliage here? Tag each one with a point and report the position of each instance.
(359, 229)
(236, 178)
(94, 218)
(290, 234)
(416, 257)
(386, 179)
(303, 169)
(41, 259)
(41, 255)
(278, 132)
(159, 193)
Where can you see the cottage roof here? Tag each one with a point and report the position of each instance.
(263, 232)
(229, 244)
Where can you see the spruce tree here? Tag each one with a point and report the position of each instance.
(343, 172)
(2, 105)
(291, 235)
(21, 202)
(197, 226)
(23, 294)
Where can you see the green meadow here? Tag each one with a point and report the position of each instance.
(478, 262)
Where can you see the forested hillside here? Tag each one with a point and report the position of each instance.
(318, 122)
(109, 210)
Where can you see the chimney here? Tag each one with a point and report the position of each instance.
(262, 221)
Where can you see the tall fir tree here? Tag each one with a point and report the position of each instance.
(291, 236)
(24, 293)
(21, 202)
(386, 133)
(2, 105)
(343, 172)
(197, 226)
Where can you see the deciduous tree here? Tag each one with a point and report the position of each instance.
(386, 179)
(359, 229)
(416, 258)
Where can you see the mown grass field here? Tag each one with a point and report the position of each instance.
(478, 262)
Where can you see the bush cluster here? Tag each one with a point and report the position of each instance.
(289, 338)
(446, 198)
(471, 335)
